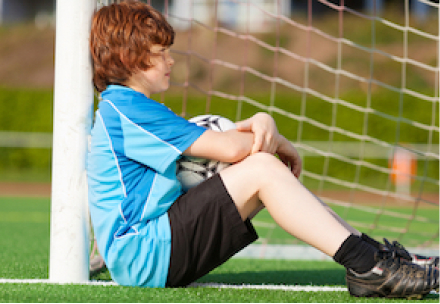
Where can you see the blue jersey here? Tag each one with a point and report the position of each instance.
(131, 169)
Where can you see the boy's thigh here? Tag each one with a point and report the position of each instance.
(206, 230)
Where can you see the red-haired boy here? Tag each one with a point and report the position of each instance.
(149, 231)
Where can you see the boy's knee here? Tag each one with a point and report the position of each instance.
(265, 162)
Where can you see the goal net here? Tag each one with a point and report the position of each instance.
(354, 85)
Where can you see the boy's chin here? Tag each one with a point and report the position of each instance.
(161, 90)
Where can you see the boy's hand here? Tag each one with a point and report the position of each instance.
(266, 136)
(289, 156)
(267, 139)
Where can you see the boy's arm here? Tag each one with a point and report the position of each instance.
(230, 146)
(258, 133)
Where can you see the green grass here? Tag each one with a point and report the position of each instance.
(24, 239)
(117, 294)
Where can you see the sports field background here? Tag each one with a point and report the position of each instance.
(26, 81)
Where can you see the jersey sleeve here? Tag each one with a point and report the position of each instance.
(155, 136)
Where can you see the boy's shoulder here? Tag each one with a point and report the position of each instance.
(120, 101)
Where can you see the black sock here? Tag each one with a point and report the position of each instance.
(356, 254)
(371, 241)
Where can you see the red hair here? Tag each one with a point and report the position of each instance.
(121, 38)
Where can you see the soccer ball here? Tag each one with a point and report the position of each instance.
(191, 171)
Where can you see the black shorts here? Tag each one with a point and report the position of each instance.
(206, 230)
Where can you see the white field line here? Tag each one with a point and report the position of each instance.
(271, 287)
(308, 288)
(46, 281)
(210, 285)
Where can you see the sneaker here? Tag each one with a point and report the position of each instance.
(414, 258)
(97, 263)
(425, 261)
(393, 277)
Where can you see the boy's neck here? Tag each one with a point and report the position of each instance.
(137, 88)
(127, 86)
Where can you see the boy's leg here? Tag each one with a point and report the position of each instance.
(206, 230)
(262, 177)
(370, 272)
(339, 219)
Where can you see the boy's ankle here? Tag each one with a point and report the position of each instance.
(356, 254)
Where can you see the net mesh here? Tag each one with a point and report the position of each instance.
(354, 86)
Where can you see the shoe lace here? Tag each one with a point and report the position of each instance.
(386, 255)
(410, 269)
(394, 260)
(398, 249)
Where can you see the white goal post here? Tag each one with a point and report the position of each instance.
(73, 101)
(74, 95)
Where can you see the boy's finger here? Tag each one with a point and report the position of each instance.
(244, 125)
(273, 147)
(257, 145)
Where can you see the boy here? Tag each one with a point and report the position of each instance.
(152, 234)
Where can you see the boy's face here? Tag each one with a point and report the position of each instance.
(157, 78)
